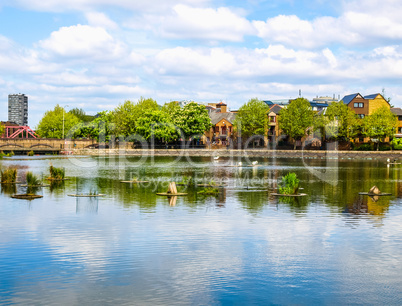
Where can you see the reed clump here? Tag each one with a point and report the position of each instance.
(9, 176)
(56, 173)
(32, 180)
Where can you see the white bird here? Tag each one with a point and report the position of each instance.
(240, 164)
(388, 160)
(216, 157)
(254, 163)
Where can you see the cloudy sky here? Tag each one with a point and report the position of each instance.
(95, 54)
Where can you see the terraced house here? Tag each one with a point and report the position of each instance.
(364, 106)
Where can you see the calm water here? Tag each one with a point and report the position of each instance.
(243, 246)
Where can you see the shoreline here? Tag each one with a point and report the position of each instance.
(241, 153)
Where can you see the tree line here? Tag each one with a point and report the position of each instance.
(146, 119)
(142, 120)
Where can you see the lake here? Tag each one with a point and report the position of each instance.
(240, 246)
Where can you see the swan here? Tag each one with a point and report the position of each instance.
(254, 163)
(240, 164)
(216, 157)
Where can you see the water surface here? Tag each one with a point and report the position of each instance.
(243, 246)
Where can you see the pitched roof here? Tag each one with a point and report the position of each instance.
(397, 111)
(348, 98)
(370, 97)
(216, 117)
(275, 109)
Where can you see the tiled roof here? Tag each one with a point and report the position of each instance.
(370, 97)
(397, 111)
(276, 109)
(216, 117)
(347, 99)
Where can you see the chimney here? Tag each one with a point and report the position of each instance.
(222, 106)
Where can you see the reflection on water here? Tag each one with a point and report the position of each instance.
(240, 246)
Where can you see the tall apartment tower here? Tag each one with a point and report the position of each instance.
(18, 109)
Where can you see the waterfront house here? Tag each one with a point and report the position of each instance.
(222, 131)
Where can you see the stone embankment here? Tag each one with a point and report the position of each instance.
(244, 153)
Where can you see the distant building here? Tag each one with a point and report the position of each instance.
(18, 109)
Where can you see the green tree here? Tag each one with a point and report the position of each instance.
(2, 128)
(381, 124)
(156, 123)
(193, 120)
(99, 128)
(51, 124)
(342, 122)
(80, 114)
(252, 119)
(172, 109)
(125, 115)
(296, 119)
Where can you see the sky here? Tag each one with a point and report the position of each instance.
(96, 54)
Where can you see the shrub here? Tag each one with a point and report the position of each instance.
(290, 184)
(31, 153)
(9, 176)
(363, 147)
(396, 143)
(56, 173)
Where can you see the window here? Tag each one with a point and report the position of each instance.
(358, 105)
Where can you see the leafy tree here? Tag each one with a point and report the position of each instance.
(80, 114)
(172, 109)
(2, 128)
(156, 123)
(99, 128)
(296, 119)
(51, 124)
(252, 118)
(192, 119)
(342, 122)
(125, 115)
(381, 124)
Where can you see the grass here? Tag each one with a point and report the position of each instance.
(290, 184)
(56, 173)
(9, 175)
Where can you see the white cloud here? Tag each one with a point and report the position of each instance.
(219, 24)
(88, 5)
(83, 41)
(97, 19)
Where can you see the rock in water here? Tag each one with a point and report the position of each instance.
(374, 190)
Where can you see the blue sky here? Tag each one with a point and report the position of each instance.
(95, 54)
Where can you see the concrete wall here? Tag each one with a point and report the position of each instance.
(41, 143)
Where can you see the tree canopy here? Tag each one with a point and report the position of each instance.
(1, 129)
(192, 120)
(296, 119)
(80, 114)
(51, 124)
(125, 115)
(341, 122)
(381, 124)
(252, 118)
(156, 124)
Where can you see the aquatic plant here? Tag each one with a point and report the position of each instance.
(32, 180)
(31, 153)
(209, 190)
(9, 175)
(56, 173)
(290, 184)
